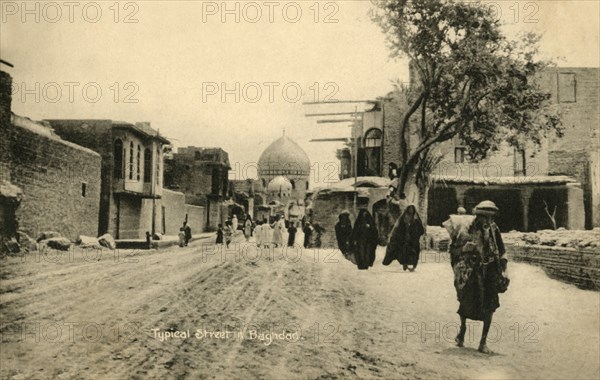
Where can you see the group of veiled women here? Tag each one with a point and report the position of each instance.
(358, 243)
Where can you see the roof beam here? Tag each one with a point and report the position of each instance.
(333, 114)
(341, 102)
(335, 121)
(342, 139)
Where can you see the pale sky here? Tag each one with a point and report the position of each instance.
(178, 51)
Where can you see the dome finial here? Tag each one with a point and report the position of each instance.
(284, 131)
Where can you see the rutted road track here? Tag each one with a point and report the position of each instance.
(77, 318)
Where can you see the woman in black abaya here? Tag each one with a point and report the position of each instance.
(343, 232)
(364, 239)
(404, 244)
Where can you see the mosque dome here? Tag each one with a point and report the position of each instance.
(279, 185)
(284, 157)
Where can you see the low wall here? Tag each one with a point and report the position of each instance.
(174, 207)
(580, 267)
(196, 218)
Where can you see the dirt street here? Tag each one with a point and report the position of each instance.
(294, 314)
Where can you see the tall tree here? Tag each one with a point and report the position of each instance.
(469, 81)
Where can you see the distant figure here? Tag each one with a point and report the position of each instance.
(480, 272)
(308, 230)
(248, 227)
(461, 211)
(234, 223)
(181, 238)
(364, 239)
(258, 234)
(317, 234)
(404, 244)
(278, 227)
(267, 234)
(291, 234)
(392, 171)
(228, 233)
(187, 233)
(343, 232)
(220, 235)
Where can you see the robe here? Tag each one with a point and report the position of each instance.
(258, 234)
(291, 235)
(343, 233)
(364, 239)
(478, 263)
(267, 234)
(307, 235)
(219, 236)
(248, 229)
(278, 227)
(404, 244)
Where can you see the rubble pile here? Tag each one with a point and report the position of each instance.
(559, 238)
(551, 238)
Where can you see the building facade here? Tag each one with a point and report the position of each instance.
(59, 181)
(132, 167)
(560, 175)
(284, 173)
(202, 174)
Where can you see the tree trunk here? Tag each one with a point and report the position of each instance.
(423, 203)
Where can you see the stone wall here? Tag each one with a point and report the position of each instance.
(60, 182)
(174, 207)
(573, 266)
(583, 166)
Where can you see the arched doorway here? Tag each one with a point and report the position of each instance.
(372, 152)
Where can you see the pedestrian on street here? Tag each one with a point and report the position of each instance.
(181, 236)
(220, 235)
(278, 227)
(404, 244)
(248, 228)
(228, 233)
(291, 234)
(343, 232)
(318, 232)
(480, 272)
(187, 233)
(234, 224)
(364, 239)
(258, 233)
(307, 230)
(267, 234)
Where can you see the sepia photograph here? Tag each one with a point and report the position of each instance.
(309, 189)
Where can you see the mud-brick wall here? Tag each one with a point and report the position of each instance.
(60, 183)
(570, 265)
(174, 209)
(196, 218)
(5, 110)
(327, 207)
